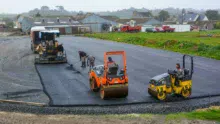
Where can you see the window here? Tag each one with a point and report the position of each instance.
(162, 82)
(152, 82)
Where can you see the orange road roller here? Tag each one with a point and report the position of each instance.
(110, 79)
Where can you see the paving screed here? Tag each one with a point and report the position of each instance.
(66, 86)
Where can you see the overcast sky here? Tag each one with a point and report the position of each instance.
(10, 6)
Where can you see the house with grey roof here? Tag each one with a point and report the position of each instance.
(96, 22)
(195, 19)
(25, 23)
(192, 17)
(47, 21)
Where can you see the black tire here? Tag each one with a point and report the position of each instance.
(149, 92)
(31, 47)
(125, 94)
(93, 85)
(102, 94)
(161, 96)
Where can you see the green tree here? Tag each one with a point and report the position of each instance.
(8, 22)
(217, 25)
(212, 14)
(45, 8)
(60, 8)
(38, 15)
(163, 15)
(183, 11)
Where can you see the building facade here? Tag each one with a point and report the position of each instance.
(24, 23)
(99, 23)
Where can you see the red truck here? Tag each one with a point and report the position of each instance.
(128, 28)
(168, 28)
(159, 29)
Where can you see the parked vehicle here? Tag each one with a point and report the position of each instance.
(159, 29)
(168, 28)
(128, 28)
(151, 30)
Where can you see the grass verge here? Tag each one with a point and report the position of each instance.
(211, 114)
(206, 44)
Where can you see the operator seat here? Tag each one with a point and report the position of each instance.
(113, 70)
(186, 74)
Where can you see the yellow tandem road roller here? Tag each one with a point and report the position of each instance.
(162, 85)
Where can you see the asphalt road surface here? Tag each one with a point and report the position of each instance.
(66, 86)
(18, 78)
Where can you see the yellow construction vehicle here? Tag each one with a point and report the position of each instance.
(50, 51)
(162, 85)
(35, 39)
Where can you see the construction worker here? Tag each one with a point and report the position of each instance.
(179, 74)
(90, 61)
(60, 50)
(43, 41)
(82, 56)
(110, 61)
(111, 64)
(41, 50)
(56, 44)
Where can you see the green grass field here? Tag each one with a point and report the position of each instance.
(206, 43)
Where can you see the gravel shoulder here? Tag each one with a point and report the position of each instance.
(19, 80)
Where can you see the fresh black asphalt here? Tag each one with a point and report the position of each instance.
(67, 86)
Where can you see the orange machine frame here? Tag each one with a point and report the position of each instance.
(110, 86)
(113, 53)
(104, 78)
